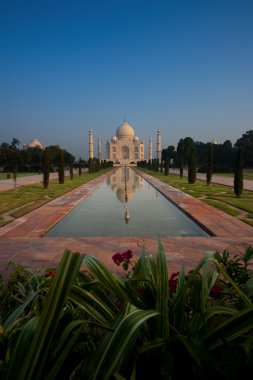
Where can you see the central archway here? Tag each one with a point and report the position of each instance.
(125, 153)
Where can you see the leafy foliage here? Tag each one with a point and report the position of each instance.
(209, 165)
(238, 179)
(45, 168)
(92, 324)
(61, 167)
(192, 166)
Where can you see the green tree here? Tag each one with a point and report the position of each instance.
(15, 143)
(180, 156)
(246, 142)
(238, 177)
(46, 166)
(188, 144)
(71, 171)
(168, 155)
(209, 165)
(166, 165)
(61, 167)
(80, 167)
(192, 166)
(90, 165)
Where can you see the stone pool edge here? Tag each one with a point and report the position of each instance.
(24, 243)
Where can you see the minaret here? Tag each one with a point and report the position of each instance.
(99, 149)
(150, 150)
(158, 149)
(91, 149)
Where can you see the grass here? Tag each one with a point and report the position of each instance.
(246, 175)
(19, 201)
(23, 174)
(219, 196)
(222, 207)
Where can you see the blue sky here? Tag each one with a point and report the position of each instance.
(184, 67)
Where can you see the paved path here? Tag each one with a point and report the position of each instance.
(7, 184)
(23, 240)
(247, 184)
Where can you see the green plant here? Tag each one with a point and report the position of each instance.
(238, 178)
(192, 166)
(45, 168)
(238, 267)
(125, 259)
(61, 173)
(209, 165)
(96, 325)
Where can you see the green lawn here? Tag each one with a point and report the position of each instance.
(22, 174)
(246, 175)
(219, 196)
(27, 198)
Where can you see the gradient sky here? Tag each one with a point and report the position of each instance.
(185, 67)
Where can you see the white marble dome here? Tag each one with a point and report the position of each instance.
(35, 144)
(125, 131)
(114, 139)
(136, 138)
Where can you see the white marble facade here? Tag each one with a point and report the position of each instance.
(125, 147)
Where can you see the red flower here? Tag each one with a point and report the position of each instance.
(139, 292)
(127, 255)
(117, 258)
(124, 258)
(215, 291)
(173, 282)
(51, 272)
(120, 304)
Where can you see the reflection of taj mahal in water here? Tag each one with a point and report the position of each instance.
(125, 147)
(125, 183)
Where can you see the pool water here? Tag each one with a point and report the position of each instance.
(126, 205)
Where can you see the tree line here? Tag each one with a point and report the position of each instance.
(50, 159)
(207, 158)
(12, 158)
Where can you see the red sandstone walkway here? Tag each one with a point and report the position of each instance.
(227, 181)
(22, 240)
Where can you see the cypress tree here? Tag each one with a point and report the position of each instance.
(93, 165)
(238, 177)
(161, 168)
(90, 166)
(192, 166)
(180, 157)
(166, 168)
(209, 165)
(45, 168)
(157, 165)
(71, 170)
(61, 167)
(80, 167)
(14, 174)
(181, 165)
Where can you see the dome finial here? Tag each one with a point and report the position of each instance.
(124, 119)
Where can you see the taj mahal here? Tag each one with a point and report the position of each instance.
(125, 148)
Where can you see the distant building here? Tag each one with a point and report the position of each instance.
(34, 144)
(215, 142)
(125, 147)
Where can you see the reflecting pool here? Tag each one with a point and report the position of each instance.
(126, 205)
